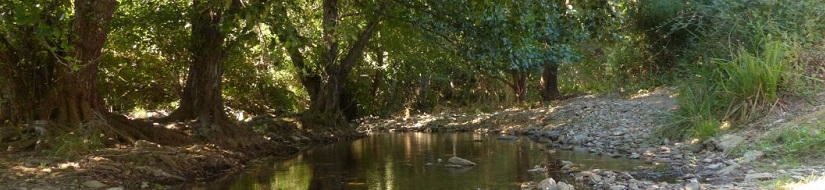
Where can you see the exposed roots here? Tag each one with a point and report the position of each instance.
(105, 130)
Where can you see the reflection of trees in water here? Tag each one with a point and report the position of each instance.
(397, 161)
(331, 166)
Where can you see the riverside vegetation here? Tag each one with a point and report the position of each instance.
(150, 94)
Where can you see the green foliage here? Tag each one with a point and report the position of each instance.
(733, 92)
(146, 55)
(753, 81)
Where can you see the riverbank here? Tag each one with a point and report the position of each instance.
(146, 165)
(630, 127)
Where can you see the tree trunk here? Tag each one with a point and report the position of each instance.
(378, 77)
(69, 97)
(550, 82)
(328, 109)
(202, 100)
(519, 85)
(423, 87)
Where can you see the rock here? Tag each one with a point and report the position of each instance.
(715, 166)
(752, 155)
(563, 186)
(144, 185)
(453, 166)
(707, 160)
(617, 187)
(593, 177)
(552, 135)
(694, 147)
(727, 170)
(94, 184)
(546, 184)
(758, 176)
(579, 139)
(728, 142)
(634, 156)
(460, 161)
(693, 185)
(550, 184)
(626, 176)
(115, 188)
(507, 137)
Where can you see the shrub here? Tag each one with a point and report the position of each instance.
(732, 92)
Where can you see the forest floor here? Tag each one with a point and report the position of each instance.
(631, 127)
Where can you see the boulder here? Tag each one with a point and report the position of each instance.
(728, 142)
(460, 161)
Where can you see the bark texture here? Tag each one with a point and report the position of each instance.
(550, 82)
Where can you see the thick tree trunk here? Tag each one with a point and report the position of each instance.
(550, 82)
(202, 100)
(69, 97)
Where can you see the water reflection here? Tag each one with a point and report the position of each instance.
(402, 161)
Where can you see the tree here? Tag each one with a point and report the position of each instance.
(326, 81)
(62, 53)
(202, 98)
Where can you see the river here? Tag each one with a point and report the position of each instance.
(411, 161)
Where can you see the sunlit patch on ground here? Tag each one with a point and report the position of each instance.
(812, 183)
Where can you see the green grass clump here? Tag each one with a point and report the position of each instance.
(750, 81)
(732, 92)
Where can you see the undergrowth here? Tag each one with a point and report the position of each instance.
(731, 92)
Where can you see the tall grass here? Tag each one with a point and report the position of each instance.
(731, 92)
(753, 81)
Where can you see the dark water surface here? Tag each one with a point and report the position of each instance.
(400, 161)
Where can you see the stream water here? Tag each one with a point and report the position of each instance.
(411, 161)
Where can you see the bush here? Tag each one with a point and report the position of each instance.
(732, 92)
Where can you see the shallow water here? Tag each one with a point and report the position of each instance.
(401, 161)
